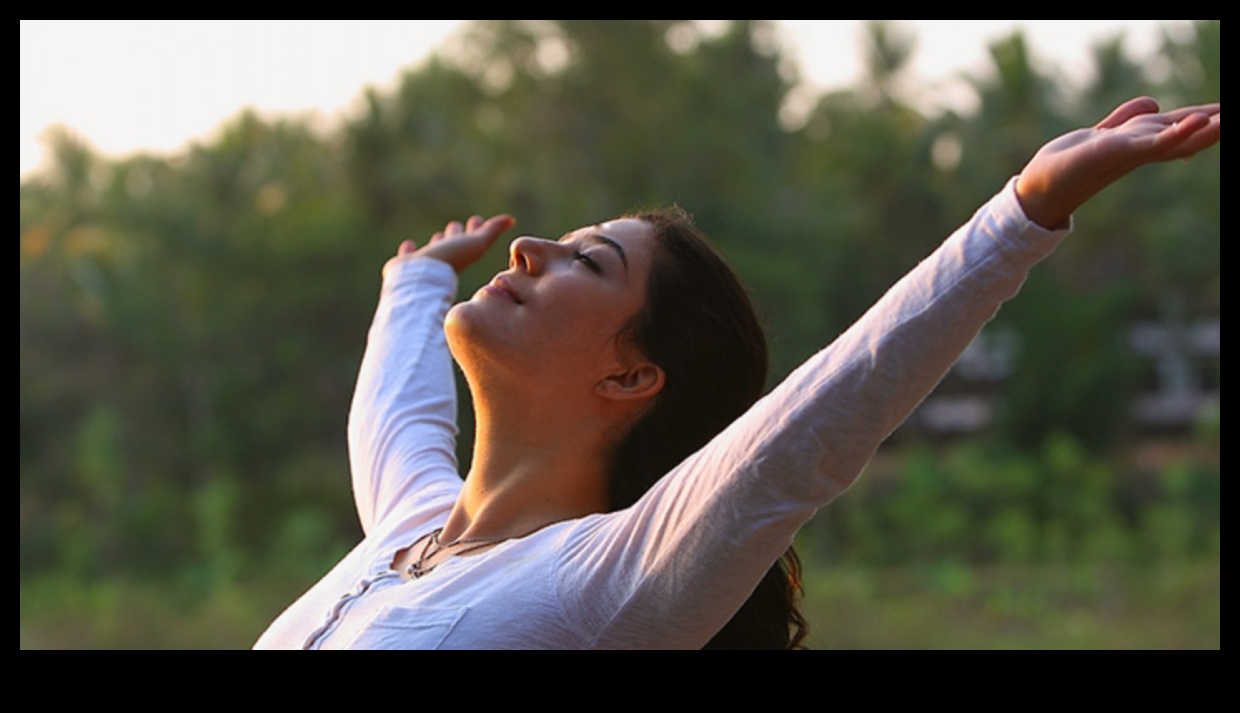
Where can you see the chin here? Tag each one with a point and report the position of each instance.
(471, 338)
(459, 326)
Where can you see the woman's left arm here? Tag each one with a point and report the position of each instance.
(692, 549)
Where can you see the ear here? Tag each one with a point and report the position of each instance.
(641, 381)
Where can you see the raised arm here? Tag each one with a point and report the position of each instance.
(692, 549)
(1075, 167)
(402, 422)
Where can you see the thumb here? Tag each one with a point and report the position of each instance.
(1127, 110)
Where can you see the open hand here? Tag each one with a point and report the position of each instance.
(458, 245)
(1073, 168)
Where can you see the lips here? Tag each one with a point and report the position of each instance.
(504, 288)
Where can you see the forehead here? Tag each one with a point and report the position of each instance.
(624, 230)
(629, 228)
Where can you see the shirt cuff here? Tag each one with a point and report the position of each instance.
(1009, 197)
(426, 271)
(1008, 223)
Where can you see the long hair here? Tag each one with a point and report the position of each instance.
(712, 350)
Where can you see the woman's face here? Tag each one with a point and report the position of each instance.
(559, 307)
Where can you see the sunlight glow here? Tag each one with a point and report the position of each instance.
(157, 85)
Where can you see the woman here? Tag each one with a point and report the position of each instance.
(622, 352)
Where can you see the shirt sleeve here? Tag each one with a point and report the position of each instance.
(675, 567)
(402, 421)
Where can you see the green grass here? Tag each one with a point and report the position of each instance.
(123, 613)
(1162, 606)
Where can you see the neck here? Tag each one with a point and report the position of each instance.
(532, 466)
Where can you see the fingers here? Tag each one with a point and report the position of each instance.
(497, 225)
(1174, 134)
(1207, 110)
(1145, 106)
(475, 227)
(1127, 110)
(1191, 134)
(475, 224)
(452, 229)
(490, 228)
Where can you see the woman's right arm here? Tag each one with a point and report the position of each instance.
(402, 421)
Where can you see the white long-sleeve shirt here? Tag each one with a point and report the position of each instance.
(670, 571)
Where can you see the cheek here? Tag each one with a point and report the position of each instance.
(591, 326)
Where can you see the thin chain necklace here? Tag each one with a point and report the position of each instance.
(419, 567)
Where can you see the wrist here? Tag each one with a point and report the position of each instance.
(1038, 207)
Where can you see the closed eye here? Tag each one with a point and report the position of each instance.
(591, 239)
(588, 261)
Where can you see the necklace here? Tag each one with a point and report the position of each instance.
(419, 567)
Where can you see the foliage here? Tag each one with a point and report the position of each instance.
(982, 504)
(190, 325)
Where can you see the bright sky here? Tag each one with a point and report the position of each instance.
(157, 85)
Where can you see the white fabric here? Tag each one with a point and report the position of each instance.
(670, 571)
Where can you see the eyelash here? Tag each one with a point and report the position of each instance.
(589, 262)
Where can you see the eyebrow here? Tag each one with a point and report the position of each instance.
(600, 238)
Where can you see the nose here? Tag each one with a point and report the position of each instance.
(529, 254)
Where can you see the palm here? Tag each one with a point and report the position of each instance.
(1074, 167)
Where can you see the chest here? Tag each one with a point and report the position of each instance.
(505, 598)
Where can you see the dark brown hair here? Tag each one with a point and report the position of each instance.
(712, 350)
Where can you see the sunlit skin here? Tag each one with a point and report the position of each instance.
(552, 387)
(1069, 170)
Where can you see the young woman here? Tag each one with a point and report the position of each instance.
(628, 487)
